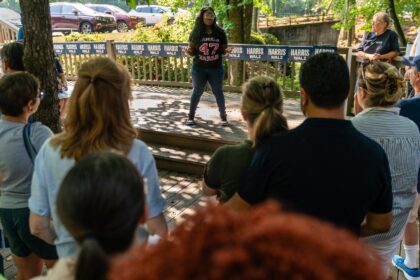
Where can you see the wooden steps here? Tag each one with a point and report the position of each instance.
(180, 152)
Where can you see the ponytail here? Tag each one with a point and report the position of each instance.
(263, 102)
(270, 121)
(93, 262)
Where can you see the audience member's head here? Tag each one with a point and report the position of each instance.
(414, 75)
(101, 202)
(12, 57)
(382, 17)
(217, 243)
(98, 111)
(380, 85)
(19, 94)
(324, 80)
(262, 107)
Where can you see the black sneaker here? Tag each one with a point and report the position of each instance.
(224, 122)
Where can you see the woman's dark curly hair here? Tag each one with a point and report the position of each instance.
(217, 243)
(199, 29)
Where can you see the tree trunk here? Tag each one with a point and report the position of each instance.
(255, 20)
(241, 18)
(393, 14)
(39, 58)
(352, 30)
(247, 22)
(273, 7)
(236, 35)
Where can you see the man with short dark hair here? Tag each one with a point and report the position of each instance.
(12, 57)
(325, 167)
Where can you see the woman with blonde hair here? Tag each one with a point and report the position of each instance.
(381, 43)
(262, 109)
(98, 119)
(380, 88)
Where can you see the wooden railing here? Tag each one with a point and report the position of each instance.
(8, 32)
(294, 20)
(167, 64)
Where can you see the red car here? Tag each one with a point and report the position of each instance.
(125, 21)
(67, 17)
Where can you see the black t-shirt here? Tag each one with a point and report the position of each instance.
(410, 108)
(382, 44)
(209, 52)
(324, 168)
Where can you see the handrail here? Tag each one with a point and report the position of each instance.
(295, 20)
(8, 32)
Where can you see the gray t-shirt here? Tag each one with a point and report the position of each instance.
(15, 164)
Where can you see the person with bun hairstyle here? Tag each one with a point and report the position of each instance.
(98, 120)
(101, 203)
(265, 243)
(380, 88)
(207, 44)
(262, 109)
(20, 97)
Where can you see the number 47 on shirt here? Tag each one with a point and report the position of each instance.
(205, 48)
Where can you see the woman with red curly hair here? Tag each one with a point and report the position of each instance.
(217, 243)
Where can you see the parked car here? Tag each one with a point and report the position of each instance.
(153, 13)
(10, 16)
(66, 17)
(125, 21)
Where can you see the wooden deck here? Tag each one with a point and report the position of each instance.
(166, 110)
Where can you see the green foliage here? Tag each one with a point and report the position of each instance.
(282, 8)
(257, 38)
(270, 39)
(367, 8)
(178, 31)
(263, 39)
(82, 37)
(10, 4)
(173, 4)
(164, 32)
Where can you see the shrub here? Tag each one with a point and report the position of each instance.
(270, 39)
(257, 38)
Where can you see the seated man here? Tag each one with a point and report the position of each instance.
(325, 167)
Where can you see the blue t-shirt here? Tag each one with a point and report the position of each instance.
(382, 44)
(410, 108)
(50, 170)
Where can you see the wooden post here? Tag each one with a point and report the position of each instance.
(352, 65)
(110, 51)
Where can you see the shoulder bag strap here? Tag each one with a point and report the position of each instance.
(30, 149)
